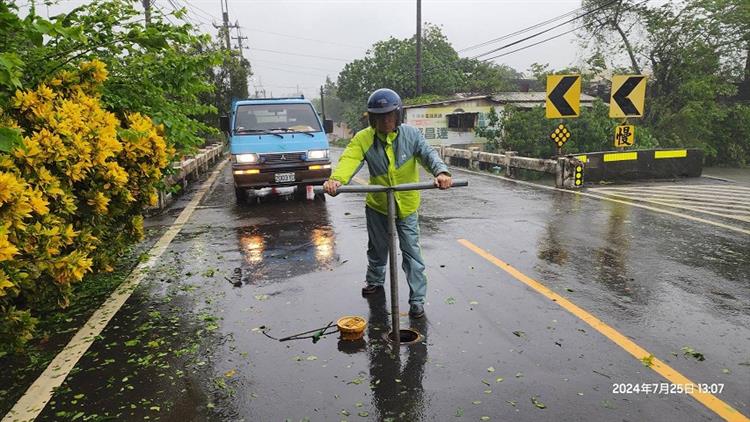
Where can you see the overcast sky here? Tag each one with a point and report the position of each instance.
(326, 34)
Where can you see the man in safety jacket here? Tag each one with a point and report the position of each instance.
(393, 152)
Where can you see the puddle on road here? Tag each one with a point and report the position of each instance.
(279, 251)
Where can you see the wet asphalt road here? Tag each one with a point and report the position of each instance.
(189, 344)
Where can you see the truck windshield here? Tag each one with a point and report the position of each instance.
(276, 117)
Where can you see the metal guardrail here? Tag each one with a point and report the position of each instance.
(389, 190)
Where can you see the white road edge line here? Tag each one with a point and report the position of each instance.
(31, 404)
(604, 198)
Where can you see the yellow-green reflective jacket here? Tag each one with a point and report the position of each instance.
(390, 163)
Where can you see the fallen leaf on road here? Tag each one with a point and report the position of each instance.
(689, 351)
(537, 403)
(648, 361)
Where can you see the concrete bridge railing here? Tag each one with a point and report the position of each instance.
(606, 166)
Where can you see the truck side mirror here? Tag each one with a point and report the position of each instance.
(328, 125)
(224, 124)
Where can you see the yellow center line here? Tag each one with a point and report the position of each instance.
(712, 402)
(31, 404)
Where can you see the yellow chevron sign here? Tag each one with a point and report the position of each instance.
(563, 96)
(628, 96)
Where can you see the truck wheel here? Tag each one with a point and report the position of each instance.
(241, 195)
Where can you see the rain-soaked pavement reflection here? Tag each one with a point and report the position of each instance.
(192, 346)
(279, 250)
(398, 392)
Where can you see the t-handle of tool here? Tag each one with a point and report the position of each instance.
(398, 188)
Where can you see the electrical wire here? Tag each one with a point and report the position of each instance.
(546, 30)
(520, 31)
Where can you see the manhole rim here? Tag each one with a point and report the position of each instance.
(419, 337)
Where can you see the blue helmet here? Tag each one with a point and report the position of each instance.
(383, 101)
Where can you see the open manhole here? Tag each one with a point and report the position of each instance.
(407, 336)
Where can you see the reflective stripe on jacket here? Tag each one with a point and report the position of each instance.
(391, 163)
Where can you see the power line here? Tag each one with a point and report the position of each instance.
(295, 65)
(547, 30)
(532, 45)
(301, 55)
(186, 18)
(454, 64)
(202, 11)
(520, 31)
(306, 39)
(291, 71)
(553, 37)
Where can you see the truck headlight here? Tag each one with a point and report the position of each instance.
(246, 158)
(317, 154)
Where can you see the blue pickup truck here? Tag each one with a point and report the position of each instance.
(277, 142)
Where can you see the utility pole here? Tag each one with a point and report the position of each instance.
(239, 38)
(147, 11)
(225, 25)
(322, 104)
(419, 48)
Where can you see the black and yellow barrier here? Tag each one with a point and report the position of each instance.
(643, 164)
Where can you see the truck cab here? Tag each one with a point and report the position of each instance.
(277, 142)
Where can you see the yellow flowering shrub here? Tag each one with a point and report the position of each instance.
(72, 195)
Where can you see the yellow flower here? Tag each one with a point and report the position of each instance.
(10, 187)
(71, 268)
(4, 283)
(153, 199)
(7, 249)
(116, 174)
(97, 69)
(45, 93)
(99, 202)
(25, 100)
(37, 202)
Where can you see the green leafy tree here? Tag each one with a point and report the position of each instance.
(528, 131)
(161, 70)
(492, 132)
(391, 63)
(610, 25)
(697, 55)
(334, 106)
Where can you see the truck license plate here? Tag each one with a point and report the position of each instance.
(284, 177)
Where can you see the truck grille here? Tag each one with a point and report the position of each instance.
(286, 158)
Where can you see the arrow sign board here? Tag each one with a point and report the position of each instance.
(628, 96)
(563, 96)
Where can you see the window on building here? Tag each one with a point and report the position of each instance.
(462, 122)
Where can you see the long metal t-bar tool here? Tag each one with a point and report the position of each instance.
(392, 235)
